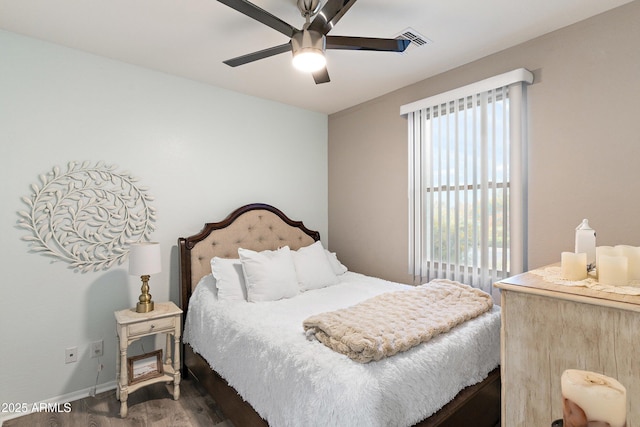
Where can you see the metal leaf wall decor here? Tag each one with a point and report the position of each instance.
(87, 215)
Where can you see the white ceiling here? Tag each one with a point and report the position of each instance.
(191, 38)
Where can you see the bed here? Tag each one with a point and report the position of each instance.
(251, 385)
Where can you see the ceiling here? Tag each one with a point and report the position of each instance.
(191, 38)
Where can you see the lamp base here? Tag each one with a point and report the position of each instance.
(144, 307)
(146, 304)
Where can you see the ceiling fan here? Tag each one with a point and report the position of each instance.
(309, 44)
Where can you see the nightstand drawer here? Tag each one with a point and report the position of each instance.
(152, 326)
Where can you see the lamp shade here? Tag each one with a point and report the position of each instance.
(144, 258)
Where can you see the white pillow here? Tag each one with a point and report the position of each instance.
(313, 268)
(229, 279)
(269, 275)
(336, 265)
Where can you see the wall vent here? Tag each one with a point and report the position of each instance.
(417, 39)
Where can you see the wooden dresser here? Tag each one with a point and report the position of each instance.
(547, 328)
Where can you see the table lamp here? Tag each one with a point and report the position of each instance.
(144, 260)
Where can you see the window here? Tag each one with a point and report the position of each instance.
(467, 182)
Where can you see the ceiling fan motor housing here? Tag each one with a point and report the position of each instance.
(308, 40)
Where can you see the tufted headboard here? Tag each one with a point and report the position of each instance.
(256, 226)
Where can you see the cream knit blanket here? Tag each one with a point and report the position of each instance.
(396, 321)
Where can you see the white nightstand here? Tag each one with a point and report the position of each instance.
(166, 318)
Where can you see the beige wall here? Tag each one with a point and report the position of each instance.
(584, 147)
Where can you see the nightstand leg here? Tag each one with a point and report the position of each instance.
(167, 358)
(123, 382)
(118, 372)
(123, 409)
(176, 366)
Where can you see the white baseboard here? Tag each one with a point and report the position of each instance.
(70, 397)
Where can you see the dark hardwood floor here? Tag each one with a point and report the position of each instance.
(150, 406)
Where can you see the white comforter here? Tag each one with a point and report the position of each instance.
(261, 350)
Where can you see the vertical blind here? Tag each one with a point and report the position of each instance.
(467, 182)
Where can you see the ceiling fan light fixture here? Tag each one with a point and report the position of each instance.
(309, 60)
(308, 51)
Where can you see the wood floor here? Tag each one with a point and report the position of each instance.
(149, 406)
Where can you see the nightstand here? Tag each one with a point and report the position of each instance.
(166, 318)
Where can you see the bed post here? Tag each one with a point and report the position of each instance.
(185, 293)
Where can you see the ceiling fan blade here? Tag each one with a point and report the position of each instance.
(261, 54)
(329, 15)
(321, 76)
(367, 43)
(251, 10)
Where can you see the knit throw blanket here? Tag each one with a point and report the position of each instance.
(397, 321)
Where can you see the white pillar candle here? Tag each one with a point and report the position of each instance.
(633, 255)
(613, 270)
(598, 399)
(573, 266)
(607, 250)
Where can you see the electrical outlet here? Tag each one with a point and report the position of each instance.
(97, 348)
(70, 354)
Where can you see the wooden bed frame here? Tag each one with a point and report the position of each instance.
(260, 227)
